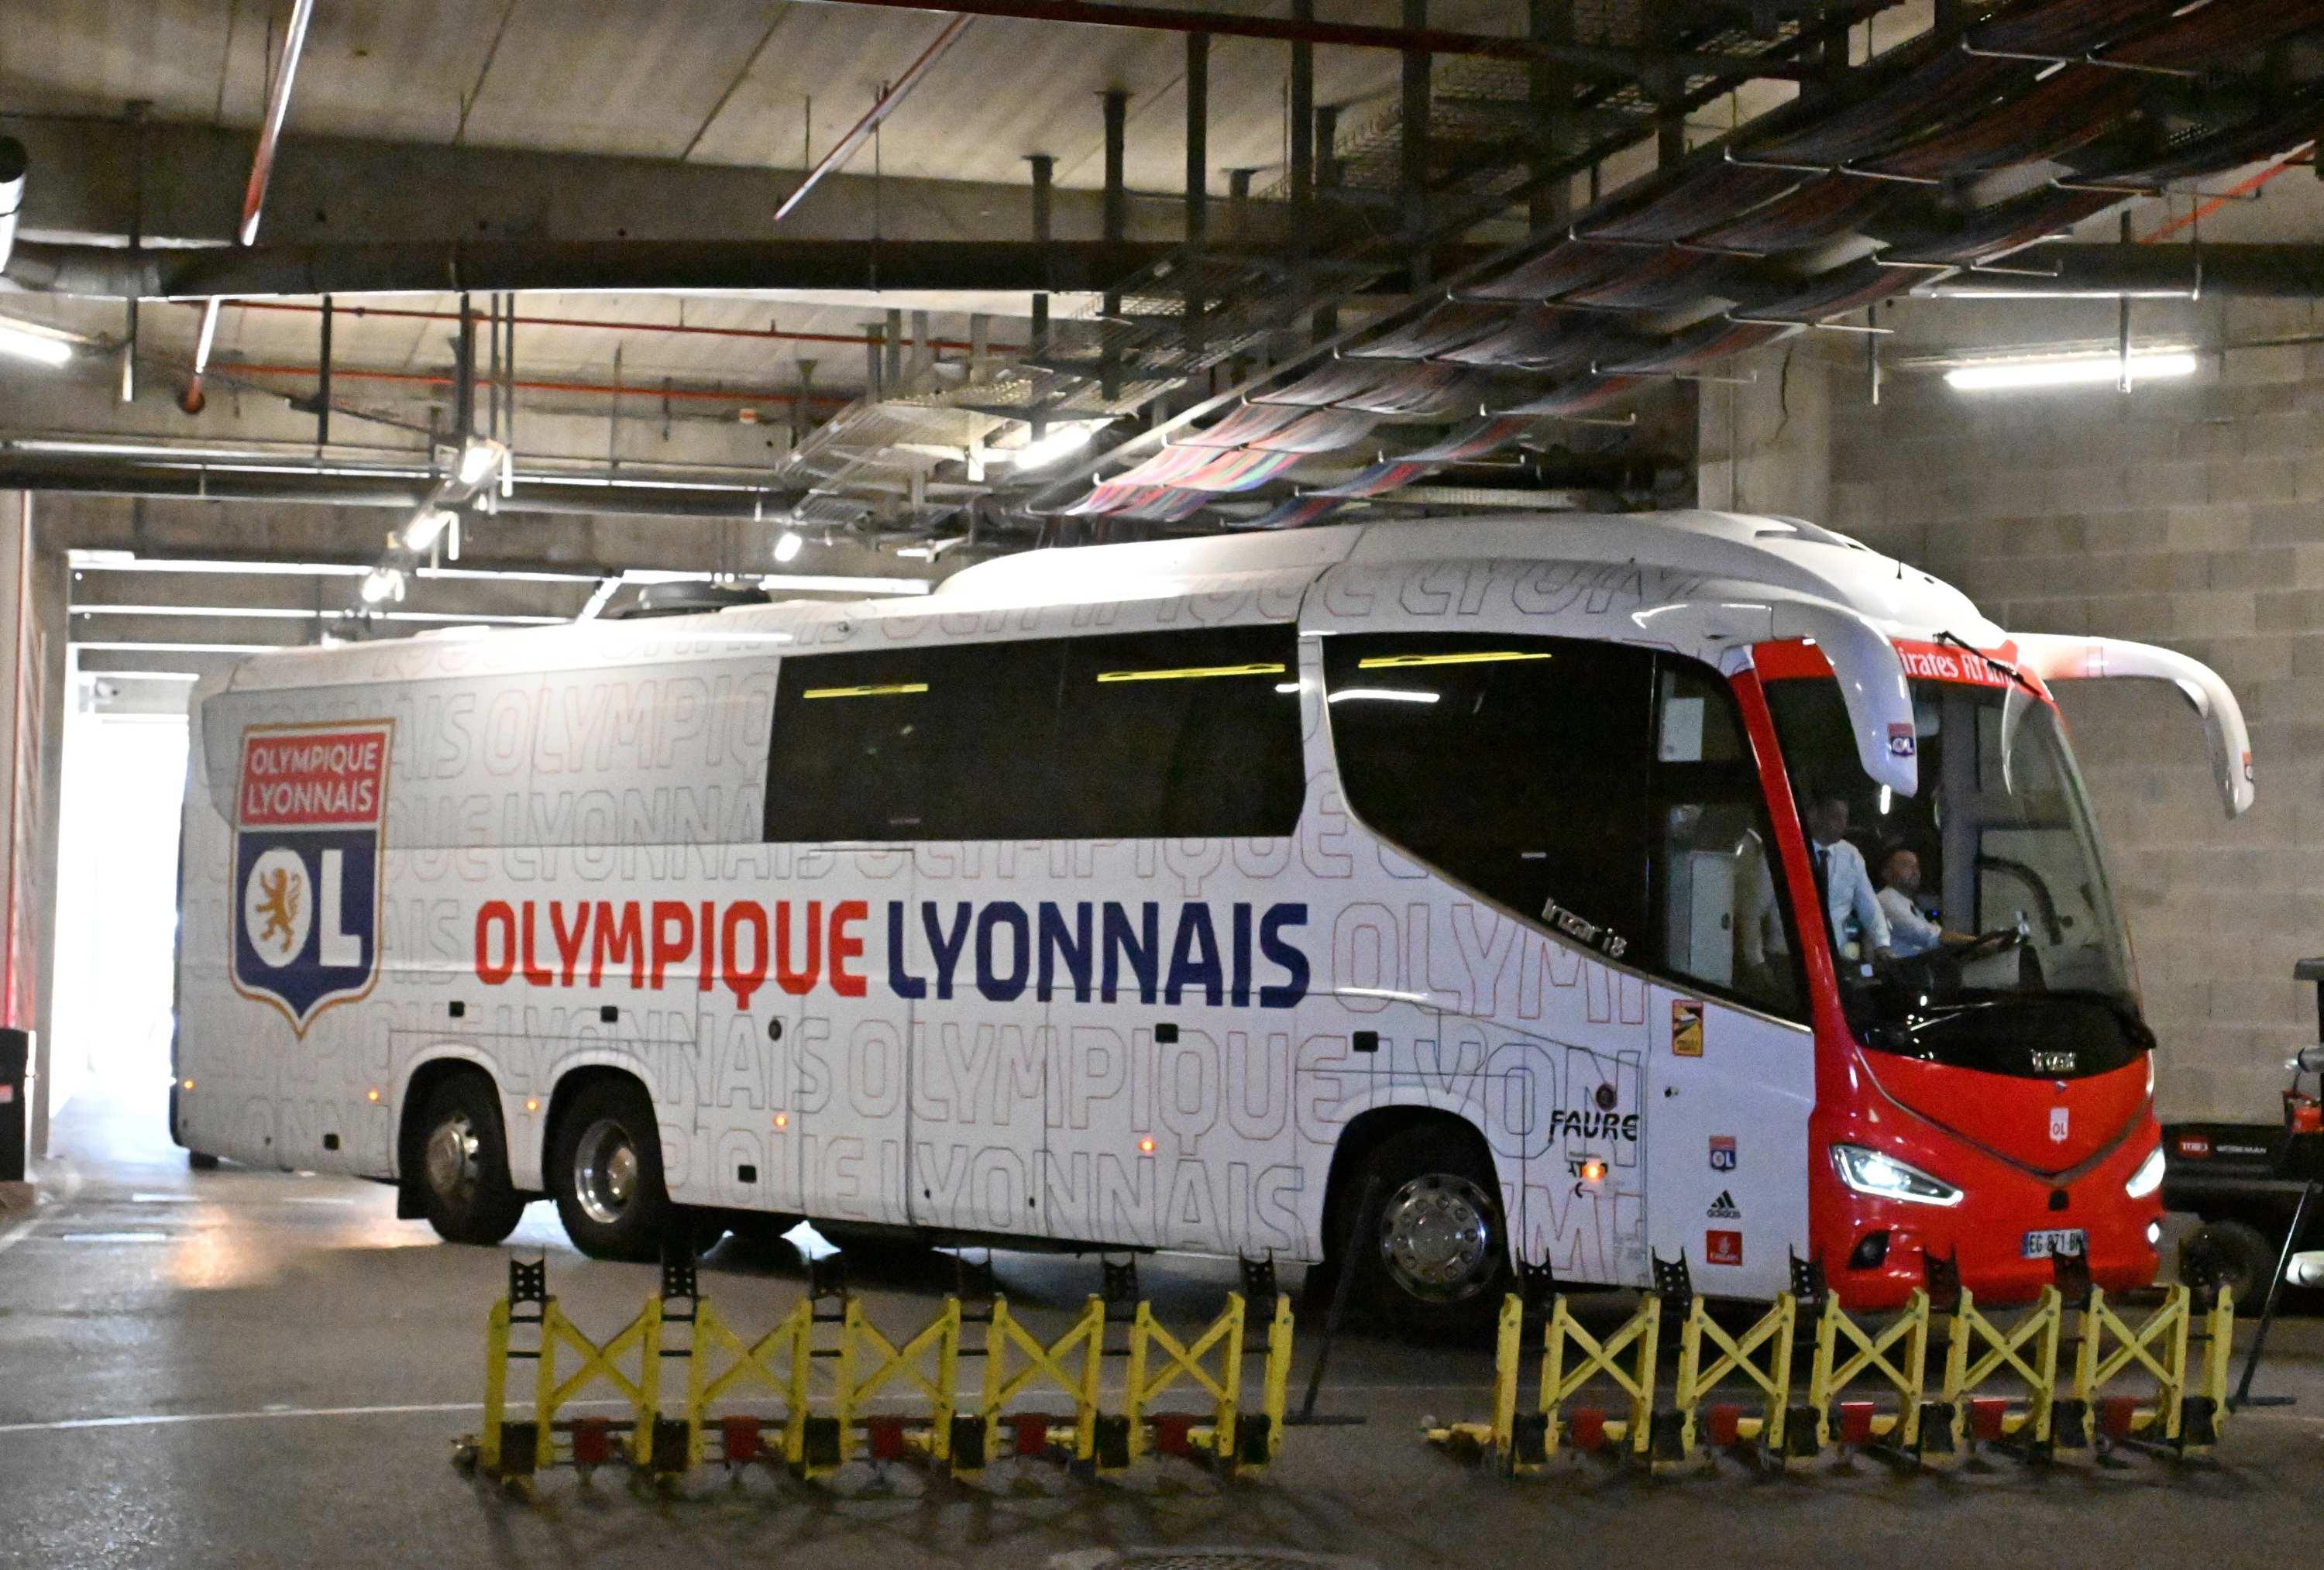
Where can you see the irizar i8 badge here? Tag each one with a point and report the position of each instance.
(307, 814)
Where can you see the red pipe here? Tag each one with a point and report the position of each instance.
(853, 341)
(433, 379)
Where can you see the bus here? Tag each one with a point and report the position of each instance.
(1415, 897)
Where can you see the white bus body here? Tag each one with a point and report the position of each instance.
(565, 858)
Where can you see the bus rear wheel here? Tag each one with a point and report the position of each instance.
(462, 1164)
(605, 1172)
(1433, 1255)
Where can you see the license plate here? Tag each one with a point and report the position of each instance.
(2066, 1240)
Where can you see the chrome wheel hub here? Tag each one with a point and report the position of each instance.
(451, 1157)
(1436, 1234)
(604, 1172)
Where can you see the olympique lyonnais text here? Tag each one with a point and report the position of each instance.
(309, 779)
(1091, 950)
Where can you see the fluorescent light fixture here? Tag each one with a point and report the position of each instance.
(787, 547)
(2068, 371)
(1383, 695)
(478, 459)
(27, 342)
(1061, 441)
(382, 584)
(426, 528)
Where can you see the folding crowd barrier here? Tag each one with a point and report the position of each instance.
(2047, 1380)
(811, 1394)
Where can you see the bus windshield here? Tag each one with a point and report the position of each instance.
(2010, 914)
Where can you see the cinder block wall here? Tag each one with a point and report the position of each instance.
(2187, 514)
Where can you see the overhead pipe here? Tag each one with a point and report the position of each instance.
(881, 107)
(735, 395)
(114, 477)
(510, 321)
(1597, 59)
(2141, 271)
(253, 196)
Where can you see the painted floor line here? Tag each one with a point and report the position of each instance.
(23, 1229)
(174, 1419)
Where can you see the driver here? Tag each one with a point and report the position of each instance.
(1842, 878)
(1911, 933)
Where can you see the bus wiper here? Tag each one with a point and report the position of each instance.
(2003, 665)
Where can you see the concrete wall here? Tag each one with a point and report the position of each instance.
(32, 666)
(2187, 514)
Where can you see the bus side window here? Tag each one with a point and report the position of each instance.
(1180, 735)
(1515, 764)
(938, 742)
(1721, 923)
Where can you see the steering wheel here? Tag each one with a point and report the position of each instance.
(2000, 940)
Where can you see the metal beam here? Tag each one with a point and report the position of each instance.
(331, 190)
(1620, 64)
(441, 268)
(2114, 271)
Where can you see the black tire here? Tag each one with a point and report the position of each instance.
(605, 1168)
(1432, 1256)
(458, 1163)
(197, 1161)
(2241, 1255)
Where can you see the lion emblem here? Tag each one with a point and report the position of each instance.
(278, 902)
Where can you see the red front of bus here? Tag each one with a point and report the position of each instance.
(1985, 1088)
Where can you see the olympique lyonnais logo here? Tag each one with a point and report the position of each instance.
(306, 853)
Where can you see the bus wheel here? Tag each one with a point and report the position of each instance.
(1436, 1256)
(605, 1172)
(2241, 1255)
(463, 1168)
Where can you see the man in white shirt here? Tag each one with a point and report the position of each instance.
(1910, 933)
(1845, 884)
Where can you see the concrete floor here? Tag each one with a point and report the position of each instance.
(249, 1368)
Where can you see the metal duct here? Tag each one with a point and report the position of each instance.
(12, 164)
(2141, 271)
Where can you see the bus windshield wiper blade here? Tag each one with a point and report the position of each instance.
(2011, 671)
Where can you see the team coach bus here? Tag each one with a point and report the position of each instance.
(1179, 895)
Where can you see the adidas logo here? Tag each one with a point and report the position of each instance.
(1723, 1209)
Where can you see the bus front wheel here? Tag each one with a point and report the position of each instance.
(1432, 1255)
(605, 1171)
(463, 1164)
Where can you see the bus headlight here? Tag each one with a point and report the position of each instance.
(2148, 1178)
(1868, 1171)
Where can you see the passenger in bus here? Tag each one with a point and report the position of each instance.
(1844, 881)
(1911, 933)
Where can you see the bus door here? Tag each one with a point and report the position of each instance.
(1730, 1076)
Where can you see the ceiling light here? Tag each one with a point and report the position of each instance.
(427, 527)
(26, 341)
(1057, 444)
(787, 548)
(478, 459)
(2068, 371)
(382, 584)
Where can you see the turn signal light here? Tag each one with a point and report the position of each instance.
(371, 1096)
(531, 1104)
(1145, 1147)
(782, 1120)
(1593, 1172)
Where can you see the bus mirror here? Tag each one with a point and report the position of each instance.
(2059, 658)
(1871, 676)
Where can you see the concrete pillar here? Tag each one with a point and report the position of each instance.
(32, 632)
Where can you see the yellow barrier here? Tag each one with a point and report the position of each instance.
(1770, 1338)
(1524, 1442)
(1897, 1355)
(2039, 1406)
(825, 1385)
